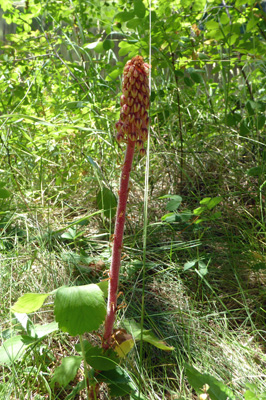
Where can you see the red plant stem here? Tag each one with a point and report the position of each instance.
(117, 245)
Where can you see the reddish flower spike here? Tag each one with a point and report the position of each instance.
(134, 103)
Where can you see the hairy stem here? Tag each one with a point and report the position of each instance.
(117, 245)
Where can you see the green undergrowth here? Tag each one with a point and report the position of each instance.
(215, 321)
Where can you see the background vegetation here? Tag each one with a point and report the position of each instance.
(204, 272)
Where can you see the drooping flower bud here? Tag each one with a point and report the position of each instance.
(142, 152)
(139, 144)
(123, 100)
(144, 134)
(133, 136)
(131, 118)
(134, 120)
(119, 137)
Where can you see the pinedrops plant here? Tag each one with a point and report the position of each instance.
(131, 129)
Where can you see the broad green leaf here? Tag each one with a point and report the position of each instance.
(98, 46)
(212, 25)
(122, 349)
(253, 387)
(4, 194)
(260, 122)
(217, 390)
(172, 197)
(27, 324)
(244, 129)
(107, 202)
(79, 309)
(232, 39)
(170, 218)
(92, 46)
(46, 329)
(188, 81)
(251, 107)
(124, 16)
(203, 269)
(256, 171)
(147, 336)
(224, 18)
(210, 203)
(118, 381)
(123, 389)
(67, 371)
(23, 319)
(86, 346)
(233, 119)
(134, 23)
(249, 395)
(108, 44)
(113, 75)
(199, 210)
(14, 348)
(196, 77)
(198, 5)
(190, 264)
(126, 48)
(153, 16)
(29, 302)
(205, 201)
(103, 285)
(139, 8)
(116, 375)
(174, 203)
(185, 215)
(253, 392)
(203, 56)
(179, 73)
(252, 22)
(100, 359)
(70, 234)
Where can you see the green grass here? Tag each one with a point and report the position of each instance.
(215, 323)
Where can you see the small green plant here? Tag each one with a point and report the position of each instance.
(196, 219)
(209, 388)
